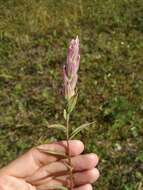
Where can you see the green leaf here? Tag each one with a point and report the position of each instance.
(65, 114)
(140, 156)
(55, 153)
(5, 76)
(45, 93)
(58, 126)
(80, 128)
(72, 102)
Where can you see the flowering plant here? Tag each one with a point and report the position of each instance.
(70, 77)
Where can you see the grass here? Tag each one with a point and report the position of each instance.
(34, 37)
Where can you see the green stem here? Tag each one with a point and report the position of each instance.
(68, 152)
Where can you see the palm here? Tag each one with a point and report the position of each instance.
(36, 170)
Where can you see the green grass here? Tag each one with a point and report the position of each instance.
(34, 37)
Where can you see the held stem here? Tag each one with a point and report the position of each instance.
(68, 152)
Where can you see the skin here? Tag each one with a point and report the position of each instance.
(36, 170)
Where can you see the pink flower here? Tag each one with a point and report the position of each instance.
(71, 68)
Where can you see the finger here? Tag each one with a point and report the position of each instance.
(76, 147)
(80, 178)
(60, 168)
(84, 187)
(34, 158)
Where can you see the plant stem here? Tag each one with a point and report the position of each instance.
(68, 153)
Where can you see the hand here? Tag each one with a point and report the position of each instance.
(36, 170)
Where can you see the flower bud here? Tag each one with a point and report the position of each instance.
(70, 69)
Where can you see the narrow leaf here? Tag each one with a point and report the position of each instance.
(57, 187)
(55, 153)
(80, 128)
(65, 114)
(68, 166)
(58, 126)
(72, 102)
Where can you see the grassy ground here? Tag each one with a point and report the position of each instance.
(34, 36)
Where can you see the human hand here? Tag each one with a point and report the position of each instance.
(36, 170)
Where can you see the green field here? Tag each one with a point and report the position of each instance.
(34, 36)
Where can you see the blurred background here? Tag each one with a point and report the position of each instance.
(34, 36)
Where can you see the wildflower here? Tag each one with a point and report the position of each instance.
(70, 69)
